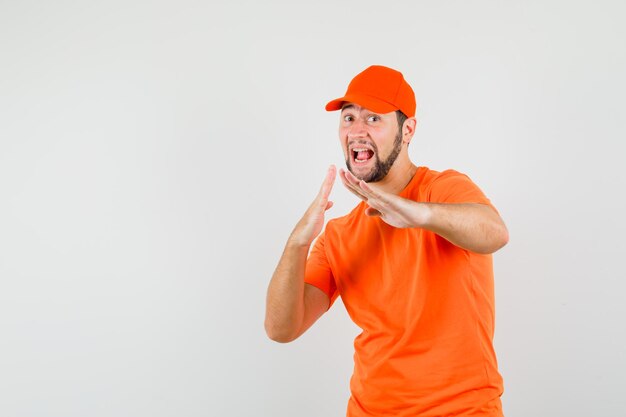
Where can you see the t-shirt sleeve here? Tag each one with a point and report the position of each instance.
(454, 187)
(318, 272)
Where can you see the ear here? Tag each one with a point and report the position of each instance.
(408, 129)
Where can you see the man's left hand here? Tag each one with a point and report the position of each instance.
(394, 210)
(472, 226)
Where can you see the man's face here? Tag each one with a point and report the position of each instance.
(371, 141)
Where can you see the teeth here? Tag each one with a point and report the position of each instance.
(359, 149)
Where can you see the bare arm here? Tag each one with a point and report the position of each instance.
(475, 227)
(292, 306)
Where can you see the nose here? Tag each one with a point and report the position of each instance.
(357, 129)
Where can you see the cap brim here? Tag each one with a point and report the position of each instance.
(370, 103)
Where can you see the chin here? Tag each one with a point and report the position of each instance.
(366, 176)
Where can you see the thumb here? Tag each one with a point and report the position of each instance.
(328, 205)
(372, 212)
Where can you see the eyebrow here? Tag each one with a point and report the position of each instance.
(349, 106)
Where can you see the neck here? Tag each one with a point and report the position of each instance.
(398, 176)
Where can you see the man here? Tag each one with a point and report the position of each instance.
(411, 263)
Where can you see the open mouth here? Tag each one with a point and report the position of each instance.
(361, 155)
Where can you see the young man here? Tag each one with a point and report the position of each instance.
(411, 263)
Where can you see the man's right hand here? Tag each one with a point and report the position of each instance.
(291, 306)
(312, 222)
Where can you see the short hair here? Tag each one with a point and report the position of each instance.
(401, 119)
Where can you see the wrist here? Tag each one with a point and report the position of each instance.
(296, 242)
(422, 215)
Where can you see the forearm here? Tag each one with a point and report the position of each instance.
(285, 295)
(475, 227)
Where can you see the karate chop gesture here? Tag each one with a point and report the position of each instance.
(312, 222)
(394, 210)
(475, 227)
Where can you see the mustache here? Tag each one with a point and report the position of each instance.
(363, 142)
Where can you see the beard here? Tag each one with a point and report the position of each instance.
(381, 167)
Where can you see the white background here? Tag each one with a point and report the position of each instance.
(154, 157)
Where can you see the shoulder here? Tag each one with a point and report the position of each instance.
(425, 177)
(452, 186)
(450, 176)
(426, 180)
(437, 176)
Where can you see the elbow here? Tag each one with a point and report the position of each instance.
(278, 334)
(500, 239)
(505, 236)
(494, 241)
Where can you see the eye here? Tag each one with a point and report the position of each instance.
(373, 118)
(348, 118)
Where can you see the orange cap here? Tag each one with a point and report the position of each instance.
(380, 89)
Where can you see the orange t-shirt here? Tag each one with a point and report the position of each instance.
(426, 308)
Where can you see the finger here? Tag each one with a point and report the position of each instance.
(329, 204)
(362, 187)
(348, 180)
(354, 190)
(328, 183)
(370, 211)
(351, 179)
(357, 183)
(356, 194)
(372, 192)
